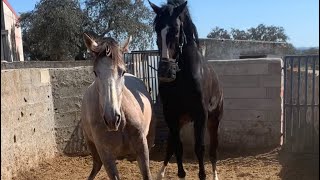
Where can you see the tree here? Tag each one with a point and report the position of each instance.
(267, 33)
(259, 33)
(120, 18)
(53, 30)
(219, 33)
(239, 34)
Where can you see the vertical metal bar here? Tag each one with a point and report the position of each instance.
(291, 94)
(132, 64)
(312, 100)
(305, 130)
(298, 94)
(148, 73)
(284, 100)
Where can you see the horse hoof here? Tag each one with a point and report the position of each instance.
(215, 176)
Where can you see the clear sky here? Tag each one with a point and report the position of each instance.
(299, 18)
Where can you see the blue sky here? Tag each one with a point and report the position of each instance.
(299, 18)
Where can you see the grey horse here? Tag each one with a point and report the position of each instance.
(116, 115)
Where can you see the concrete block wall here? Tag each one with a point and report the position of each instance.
(252, 104)
(27, 120)
(225, 49)
(68, 87)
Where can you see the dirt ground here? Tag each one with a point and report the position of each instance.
(269, 164)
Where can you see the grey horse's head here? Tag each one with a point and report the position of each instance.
(109, 69)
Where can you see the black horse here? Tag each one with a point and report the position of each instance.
(189, 88)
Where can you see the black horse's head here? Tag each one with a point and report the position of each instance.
(168, 25)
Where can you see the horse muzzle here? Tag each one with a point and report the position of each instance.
(167, 71)
(112, 123)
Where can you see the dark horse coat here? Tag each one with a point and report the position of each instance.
(189, 87)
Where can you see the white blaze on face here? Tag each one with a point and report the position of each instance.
(112, 94)
(165, 50)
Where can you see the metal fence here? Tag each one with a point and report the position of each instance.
(144, 65)
(301, 104)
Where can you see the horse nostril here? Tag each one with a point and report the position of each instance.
(118, 118)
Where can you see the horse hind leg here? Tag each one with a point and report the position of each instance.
(97, 164)
(199, 147)
(213, 124)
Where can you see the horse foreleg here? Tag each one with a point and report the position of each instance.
(97, 164)
(140, 145)
(169, 153)
(179, 154)
(199, 147)
(109, 163)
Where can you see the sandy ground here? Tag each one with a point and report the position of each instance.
(252, 165)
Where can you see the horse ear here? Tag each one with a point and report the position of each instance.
(125, 45)
(89, 42)
(155, 8)
(178, 10)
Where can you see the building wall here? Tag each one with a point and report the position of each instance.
(215, 49)
(14, 33)
(27, 120)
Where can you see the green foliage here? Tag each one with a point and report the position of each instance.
(120, 18)
(53, 30)
(219, 33)
(259, 33)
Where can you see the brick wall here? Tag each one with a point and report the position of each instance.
(27, 124)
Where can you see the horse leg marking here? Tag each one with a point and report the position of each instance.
(162, 172)
(215, 176)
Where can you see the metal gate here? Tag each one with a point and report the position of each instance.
(301, 104)
(144, 65)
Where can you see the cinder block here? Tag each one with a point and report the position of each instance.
(270, 81)
(257, 104)
(25, 76)
(241, 69)
(70, 104)
(44, 76)
(244, 92)
(36, 76)
(274, 68)
(273, 92)
(67, 119)
(249, 115)
(239, 81)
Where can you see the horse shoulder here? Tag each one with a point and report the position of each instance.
(137, 103)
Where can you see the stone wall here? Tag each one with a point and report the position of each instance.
(68, 87)
(252, 104)
(217, 49)
(27, 120)
(44, 64)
